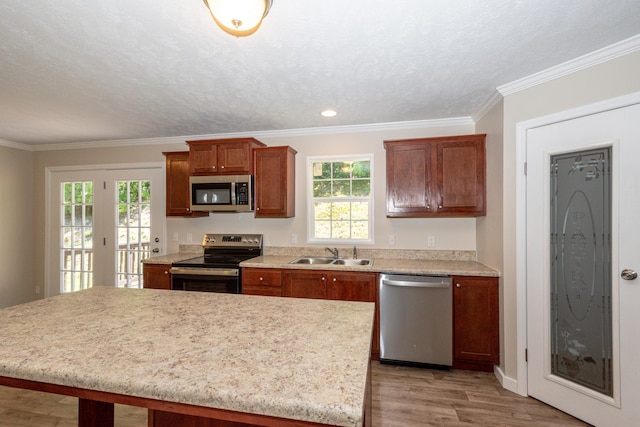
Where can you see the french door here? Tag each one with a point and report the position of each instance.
(583, 255)
(101, 224)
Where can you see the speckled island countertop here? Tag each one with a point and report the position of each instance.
(285, 357)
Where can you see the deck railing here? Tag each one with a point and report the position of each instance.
(129, 266)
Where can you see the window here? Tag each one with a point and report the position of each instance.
(341, 205)
(76, 232)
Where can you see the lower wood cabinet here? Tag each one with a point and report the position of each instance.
(261, 281)
(156, 276)
(334, 285)
(476, 344)
(317, 284)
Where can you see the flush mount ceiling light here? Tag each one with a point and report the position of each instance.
(238, 17)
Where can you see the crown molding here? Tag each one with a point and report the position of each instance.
(16, 145)
(616, 50)
(109, 143)
(493, 100)
(608, 53)
(375, 127)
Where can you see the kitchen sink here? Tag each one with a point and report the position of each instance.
(352, 262)
(313, 260)
(329, 260)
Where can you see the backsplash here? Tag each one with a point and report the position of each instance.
(347, 252)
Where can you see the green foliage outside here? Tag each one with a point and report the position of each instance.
(332, 181)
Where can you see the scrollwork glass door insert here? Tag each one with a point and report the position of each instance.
(581, 331)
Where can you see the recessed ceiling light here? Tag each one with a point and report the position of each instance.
(328, 113)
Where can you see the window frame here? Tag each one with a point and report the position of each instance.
(310, 199)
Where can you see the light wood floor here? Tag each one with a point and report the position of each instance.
(402, 397)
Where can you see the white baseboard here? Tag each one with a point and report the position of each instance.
(507, 382)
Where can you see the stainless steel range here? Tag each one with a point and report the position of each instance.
(218, 269)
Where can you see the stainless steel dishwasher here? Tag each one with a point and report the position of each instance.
(416, 321)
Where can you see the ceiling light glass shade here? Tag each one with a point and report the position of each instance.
(238, 17)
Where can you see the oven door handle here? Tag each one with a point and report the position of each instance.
(205, 271)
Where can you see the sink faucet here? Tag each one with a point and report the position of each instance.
(355, 253)
(334, 252)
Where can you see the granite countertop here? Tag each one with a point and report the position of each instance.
(458, 263)
(285, 357)
(383, 265)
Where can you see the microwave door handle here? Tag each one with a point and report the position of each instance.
(233, 186)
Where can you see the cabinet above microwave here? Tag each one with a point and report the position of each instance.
(232, 156)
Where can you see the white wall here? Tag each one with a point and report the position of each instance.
(489, 228)
(601, 82)
(16, 226)
(451, 233)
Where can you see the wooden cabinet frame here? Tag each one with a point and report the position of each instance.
(274, 185)
(476, 340)
(436, 177)
(222, 156)
(177, 185)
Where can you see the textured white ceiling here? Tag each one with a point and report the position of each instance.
(77, 70)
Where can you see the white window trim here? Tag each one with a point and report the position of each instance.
(309, 184)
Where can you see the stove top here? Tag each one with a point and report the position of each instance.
(225, 251)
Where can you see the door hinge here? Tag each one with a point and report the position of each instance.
(104, 185)
(526, 354)
(525, 168)
(104, 241)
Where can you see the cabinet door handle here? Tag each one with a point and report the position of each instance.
(323, 279)
(166, 272)
(457, 285)
(221, 167)
(261, 279)
(334, 279)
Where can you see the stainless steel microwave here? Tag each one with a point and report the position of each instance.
(221, 193)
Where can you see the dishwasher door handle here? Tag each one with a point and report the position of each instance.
(415, 284)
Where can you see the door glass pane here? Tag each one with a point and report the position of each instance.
(76, 236)
(581, 331)
(133, 228)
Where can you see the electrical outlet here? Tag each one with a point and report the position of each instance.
(431, 241)
(294, 238)
(392, 240)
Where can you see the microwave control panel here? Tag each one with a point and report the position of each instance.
(242, 193)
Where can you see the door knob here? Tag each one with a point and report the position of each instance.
(628, 274)
(155, 250)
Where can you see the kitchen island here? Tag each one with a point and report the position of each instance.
(191, 357)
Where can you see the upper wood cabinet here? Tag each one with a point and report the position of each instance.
(436, 177)
(274, 185)
(222, 156)
(177, 185)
